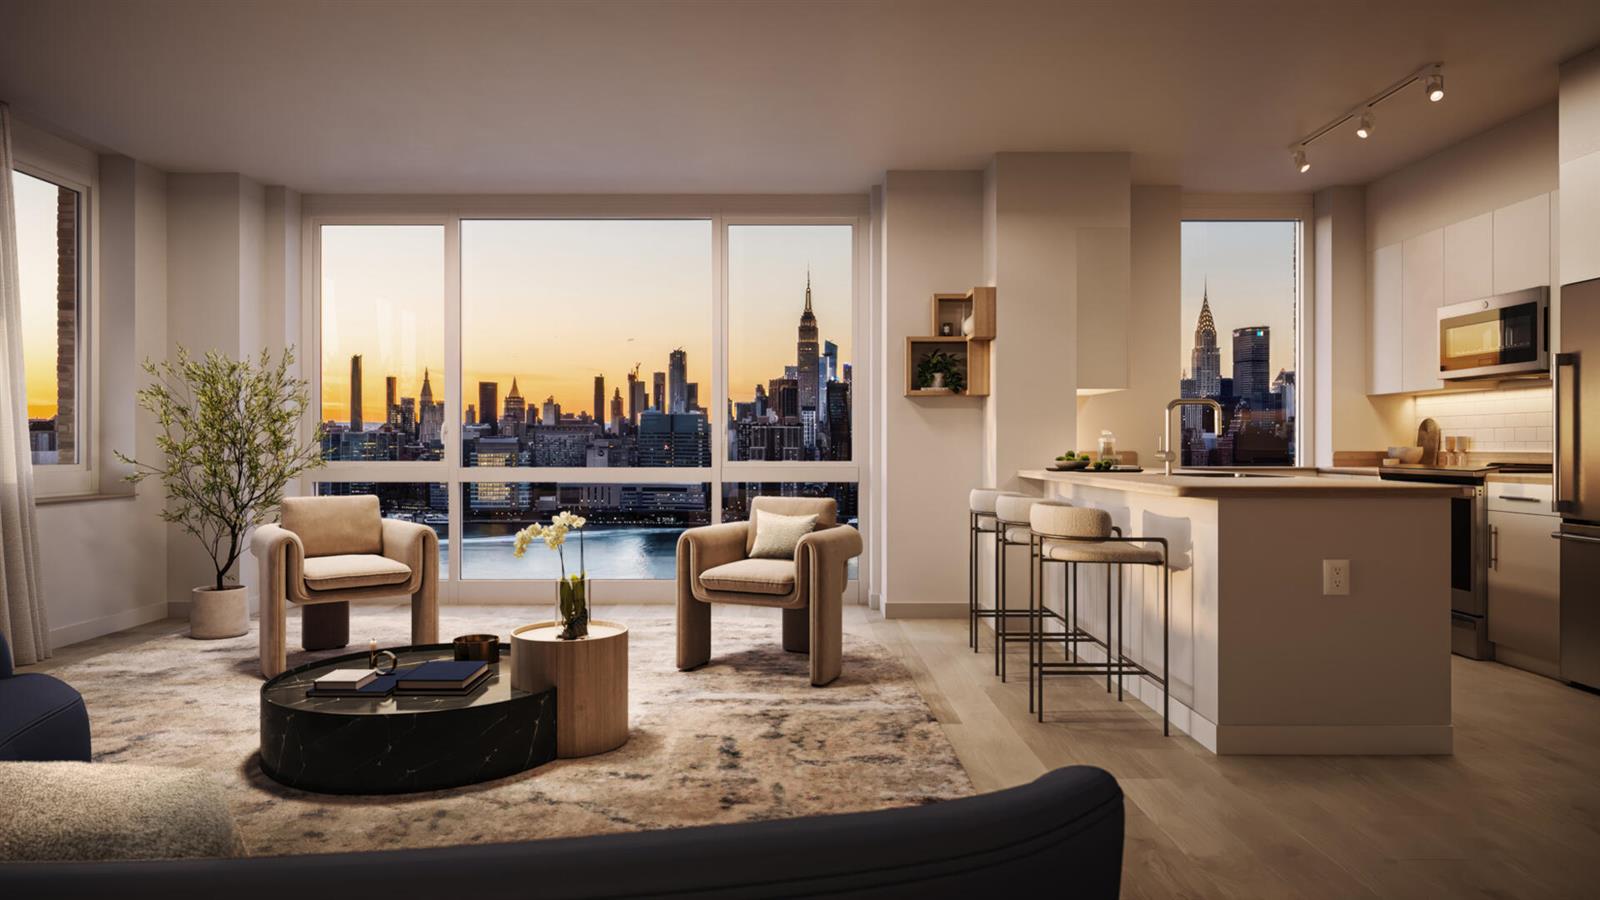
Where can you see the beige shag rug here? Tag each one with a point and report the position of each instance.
(744, 738)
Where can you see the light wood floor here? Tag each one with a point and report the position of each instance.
(1514, 813)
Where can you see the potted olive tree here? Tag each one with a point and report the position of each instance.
(229, 448)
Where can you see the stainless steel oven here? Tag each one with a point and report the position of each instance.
(1469, 553)
(1503, 335)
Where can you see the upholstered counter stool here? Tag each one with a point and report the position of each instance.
(1012, 516)
(1076, 536)
(980, 520)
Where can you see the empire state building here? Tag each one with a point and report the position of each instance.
(806, 367)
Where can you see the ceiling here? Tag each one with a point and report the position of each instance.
(766, 96)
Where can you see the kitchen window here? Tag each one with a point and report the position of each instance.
(1241, 302)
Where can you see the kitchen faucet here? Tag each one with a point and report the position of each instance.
(1168, 454)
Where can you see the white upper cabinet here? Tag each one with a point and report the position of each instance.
(1384, 323)
(1522, 245)
(1469, 259)
(1421, 295)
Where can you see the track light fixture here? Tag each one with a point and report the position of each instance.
(1434, 85)
(1432, 78)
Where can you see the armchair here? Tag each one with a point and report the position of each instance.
(714, 566)
(325, 552)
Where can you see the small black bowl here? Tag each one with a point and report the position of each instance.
(477, 646)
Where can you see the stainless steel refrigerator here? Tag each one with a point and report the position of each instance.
(1576, 375)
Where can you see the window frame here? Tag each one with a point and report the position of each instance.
(720, 211)
(1296, 208)
(81, 477)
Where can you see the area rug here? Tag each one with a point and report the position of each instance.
(744, 738)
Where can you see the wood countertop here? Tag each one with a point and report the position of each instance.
(1287, 485)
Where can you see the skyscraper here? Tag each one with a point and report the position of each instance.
(678, 378)
(516, 412)
(1205, 367)
(430, 418)
(1251, 348)
(355, 394)
(488, 402)
(391, 403)
(635, 396)
(600, 398)
(551, 414)
(658, 391)
(692, 393)
(616, 410)
(806, 366)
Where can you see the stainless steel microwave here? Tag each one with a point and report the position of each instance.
(1502, 335)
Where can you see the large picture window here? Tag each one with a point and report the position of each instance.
(383, 397)
(657, 370)
(1241, 293)
(789, 342)
(586, 343)
(49, 220)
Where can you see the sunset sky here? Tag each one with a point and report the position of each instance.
(555, 302)
(1250, 267)
(36, 263)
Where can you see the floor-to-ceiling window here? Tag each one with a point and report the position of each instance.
(480, 372)
(1241, 289)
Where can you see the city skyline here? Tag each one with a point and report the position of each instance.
(611, 294)
(1249, 269)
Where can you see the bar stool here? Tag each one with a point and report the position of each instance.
(1077, 536)
(1012, 512)
(980, 520)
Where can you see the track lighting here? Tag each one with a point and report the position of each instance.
(1365, 115)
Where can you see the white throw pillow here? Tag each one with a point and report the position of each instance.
(777, 536)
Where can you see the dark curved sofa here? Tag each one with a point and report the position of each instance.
(41, 718)
(1063, 831)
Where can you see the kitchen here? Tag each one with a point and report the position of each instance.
(1475, 270)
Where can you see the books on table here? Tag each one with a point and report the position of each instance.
(444, 677)
(345, 679)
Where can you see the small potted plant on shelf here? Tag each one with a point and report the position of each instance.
(229, 449)
(572, 591)
(941, 371)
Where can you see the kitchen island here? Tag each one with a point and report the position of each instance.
(1262, 660)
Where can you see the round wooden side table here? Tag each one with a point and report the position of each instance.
(590, 677)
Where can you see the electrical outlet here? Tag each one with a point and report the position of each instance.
(1335, 577)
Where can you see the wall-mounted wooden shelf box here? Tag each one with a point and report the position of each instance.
(953, 309)
(972, 349)
(974, 356)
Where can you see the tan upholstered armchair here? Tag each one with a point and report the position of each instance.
(714, 566)
(325, 552)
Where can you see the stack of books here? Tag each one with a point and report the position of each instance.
(444, 677)
(352, 683)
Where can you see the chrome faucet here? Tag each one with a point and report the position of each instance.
(1167, 453)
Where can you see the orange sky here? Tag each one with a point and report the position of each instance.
(36, 263)
(555, 302)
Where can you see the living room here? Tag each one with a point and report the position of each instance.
(1117, 445)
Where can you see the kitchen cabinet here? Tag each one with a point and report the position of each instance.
(1522, 245)
(1421, 295)
(1383, 362)
(1524, 578)
(1580, 219)
(1469, 259)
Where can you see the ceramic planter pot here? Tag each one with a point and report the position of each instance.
(217, 614)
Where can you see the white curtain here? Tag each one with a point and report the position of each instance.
(22, 618)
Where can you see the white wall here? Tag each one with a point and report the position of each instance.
(931, 449)
(1134, 415)
(1578, 155)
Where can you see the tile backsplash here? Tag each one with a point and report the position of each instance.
(1514, 420)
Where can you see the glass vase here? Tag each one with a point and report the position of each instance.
(572, 606)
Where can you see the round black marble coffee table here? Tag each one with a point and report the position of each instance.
(402, 743)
